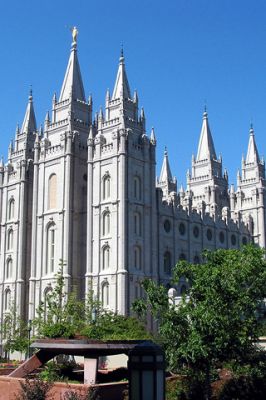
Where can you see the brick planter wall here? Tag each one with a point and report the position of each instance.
(10, 387)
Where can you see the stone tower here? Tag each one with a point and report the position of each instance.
(121, 219)
(60, 189)
(250, 197)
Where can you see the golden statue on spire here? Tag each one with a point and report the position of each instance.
(74, 34)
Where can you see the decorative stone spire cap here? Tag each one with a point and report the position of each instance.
(121, 88)
(206, 148)
(252, 153)
(73, 81)
(29, 122)
(166, 175)
(152, 138)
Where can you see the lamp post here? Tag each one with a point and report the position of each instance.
(146, 366)
(29, 331)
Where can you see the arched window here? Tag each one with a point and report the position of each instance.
(7, 301)
(106, 186)
(106, 257)
(136, 188)
(11, 209)
(137, 224)
(183, 290)
(52, 189)
(105, 294)
(9, 267)
(137, 257)
(47, 291)
(106, 223)
(50, 259)
(167, 262)
(10, 239)
(138, 290)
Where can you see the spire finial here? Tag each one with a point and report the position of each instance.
(74, 36)
(165, 151)
(205, 114)
(121, 59)
(251, 129)
(30, 93)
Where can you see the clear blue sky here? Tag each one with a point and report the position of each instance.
(179, 53)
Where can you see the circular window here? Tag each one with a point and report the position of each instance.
(182, 228)
(244, 240)
(209, 234)
(221, 237)
(167, 225)
(233, 240)
(196, 231)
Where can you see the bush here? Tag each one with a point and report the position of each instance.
(244, 388)
(91, 394)
(35, 389)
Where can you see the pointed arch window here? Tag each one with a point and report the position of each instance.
(7, 301)
(106, 223)
(106, 257)
(51, 243)
(11, 209)
(137, 257)
(137, 188)
(52, 191)
(167, 262)
(10, 239)
(105, 294)
(9, 267)
(106, 186)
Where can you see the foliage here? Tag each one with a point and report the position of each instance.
(35, 389)
(51, 372)
(63, 314)
(218, 321)
(244, 388)
(90, 394)
(15, 332)
(111, 326)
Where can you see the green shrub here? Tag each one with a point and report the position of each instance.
(91, 394)
(244, 388)
(35, 389)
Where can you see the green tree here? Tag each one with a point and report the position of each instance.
(217, 320)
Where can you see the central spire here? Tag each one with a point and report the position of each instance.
(252, 153)
(121, 88)
(206, 148)
(73, 85)
(29, 122)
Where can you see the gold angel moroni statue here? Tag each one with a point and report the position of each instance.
(74, 34)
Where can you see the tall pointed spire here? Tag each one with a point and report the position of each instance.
(166, 175)
(29, 123)
(121, 88)
(252, 153)
(206, 148)
(73, 81)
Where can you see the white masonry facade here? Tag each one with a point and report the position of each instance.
(85, 191)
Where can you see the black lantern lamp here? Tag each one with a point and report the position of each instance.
(146, 367)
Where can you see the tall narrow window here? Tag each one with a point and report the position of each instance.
(136, 188)
(9, 267)
(137, 224)
(7, 299)
(106, 223)
(167, 261)
(106, 257)
(105, 294)
(10, 240)
(50, 263)
(137, 257)
(11, 209)
(52, 189)
(106, 187)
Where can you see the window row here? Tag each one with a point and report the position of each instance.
(168, 262)
(209, 234)
(106, 187)
(106, 223)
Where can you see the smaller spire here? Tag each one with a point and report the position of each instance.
(135, 96)
(121, 88)
(29, 123)
(100, 116)
(17, 130)
(107, 96)
(90, 100)
(54, 98)
(206, 148)
(152, 137)
(2, 162)
(252, 153)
